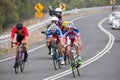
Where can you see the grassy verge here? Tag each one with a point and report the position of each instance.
(3, 52)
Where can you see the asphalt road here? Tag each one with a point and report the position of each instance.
(100, 54)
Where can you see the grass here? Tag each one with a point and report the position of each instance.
(3, 51)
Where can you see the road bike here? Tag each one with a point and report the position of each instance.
(20, 58)
(56, 55)
(74, 62)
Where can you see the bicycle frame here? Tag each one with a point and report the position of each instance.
(74, 64)
(20, 52)
(20, 56)
(56, 55)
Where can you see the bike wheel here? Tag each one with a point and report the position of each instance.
(73, 66)
(59, 64)
(17, 69)
(57, 57)
(54, 62)
(22, 66)
(78, 71)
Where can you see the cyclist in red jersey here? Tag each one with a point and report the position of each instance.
(22, 36)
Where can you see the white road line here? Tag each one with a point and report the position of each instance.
(99, 55)
(6, 59)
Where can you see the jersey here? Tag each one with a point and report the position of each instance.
(23, 33)
(57, 34)
(73, 34)
(48, 28)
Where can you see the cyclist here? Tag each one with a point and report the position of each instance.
(22, 37)
(72, 35)
(53, 19)
(64, 24)
(58, 13)
(51, 11)
(52, 34)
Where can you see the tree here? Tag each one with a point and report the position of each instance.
(8, 13)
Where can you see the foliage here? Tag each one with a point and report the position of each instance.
(12, 11)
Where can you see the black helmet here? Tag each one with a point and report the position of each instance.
(19, 26)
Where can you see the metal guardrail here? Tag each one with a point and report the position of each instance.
(31, 28)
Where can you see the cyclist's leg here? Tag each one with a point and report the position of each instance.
(69, 42)
(16, 56)
(77, 51)
(68, 48)
(63, 45)
(18, 40)
(61, 49)
(25, 49)
(48, 44)
(61, 53)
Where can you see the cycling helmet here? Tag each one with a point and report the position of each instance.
(64, 24)
(70, 25)
(19, 26)
(58, 12)
(53, 27)
(58, 9)
(50, 7)
(54, 19)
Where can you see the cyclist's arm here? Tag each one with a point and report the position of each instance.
(60, 37)
(79, 40)
(12, 34)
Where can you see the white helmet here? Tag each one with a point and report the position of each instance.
(53, 26)
(58, 9)
(50, 7)
(70, 25)
(54, 18)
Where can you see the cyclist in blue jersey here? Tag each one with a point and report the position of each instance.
(52, 34)
(54, 20)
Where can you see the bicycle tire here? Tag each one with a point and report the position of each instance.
(73, 65)
(58, 56)
(56, 60)
(54, 63)
(17, 69)
(22, 66)
(78, 71)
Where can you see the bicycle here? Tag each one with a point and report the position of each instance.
(20, 60)
(74, 62)
(56, 55)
